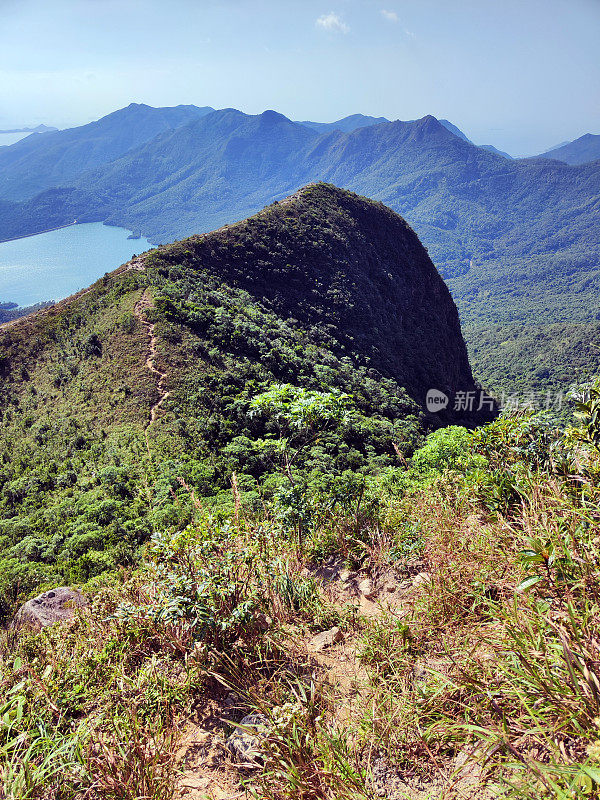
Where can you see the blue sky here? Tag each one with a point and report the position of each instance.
(522, 75)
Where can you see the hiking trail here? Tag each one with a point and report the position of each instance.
(141, 306)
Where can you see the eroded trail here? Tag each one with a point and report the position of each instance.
(210, 770)
(141, 306)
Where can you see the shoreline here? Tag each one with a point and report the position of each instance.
(39, 233)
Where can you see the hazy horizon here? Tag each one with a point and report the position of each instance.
(522, 78)
(17, 137)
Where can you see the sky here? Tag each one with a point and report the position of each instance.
(523, 75)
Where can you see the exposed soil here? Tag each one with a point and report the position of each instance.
(207, 771)
(144, 303)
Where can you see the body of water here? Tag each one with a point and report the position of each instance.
(54, 265)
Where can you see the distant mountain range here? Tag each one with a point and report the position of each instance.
(37, 129)
(60, 158)
(516, 239)
(579, 151)
(346, 124)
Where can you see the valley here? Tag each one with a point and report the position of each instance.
(503, 233)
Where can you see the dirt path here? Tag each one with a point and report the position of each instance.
(207, 770)
(144, 303)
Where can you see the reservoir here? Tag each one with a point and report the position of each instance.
(53, 265)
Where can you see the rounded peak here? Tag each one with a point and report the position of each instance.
(328, 193)
(270, 116)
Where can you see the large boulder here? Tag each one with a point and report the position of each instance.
(56, 605)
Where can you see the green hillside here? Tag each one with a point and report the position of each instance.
(536, 363)
(120, 402)
(517, 240)
(289, 579)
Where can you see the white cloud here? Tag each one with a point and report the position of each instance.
(331, 22)
(391, 16)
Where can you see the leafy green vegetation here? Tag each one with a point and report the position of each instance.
(484, 679)
(535, 365)
(223, 445)
(88, 475)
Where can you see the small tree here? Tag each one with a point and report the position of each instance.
(300, 417)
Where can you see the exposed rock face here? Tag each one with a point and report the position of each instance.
(56, 605)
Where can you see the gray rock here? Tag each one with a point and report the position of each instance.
(245, 742)
(325, 639)
(365, 587)
(57, 605)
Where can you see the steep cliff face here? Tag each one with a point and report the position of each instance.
(343, 264)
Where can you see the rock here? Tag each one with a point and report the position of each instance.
(365, 587)
(325, 639)
(245, 742)
(367, 608)
(192, 781)
(346, 575)
(422, 579)
(57, 605)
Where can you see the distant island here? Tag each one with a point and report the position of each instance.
(37, 129)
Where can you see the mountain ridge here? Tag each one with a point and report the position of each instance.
(580, 151)
(493, 225)
(346, 124)
(120, 401)
(37, 163)
(333, 203)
